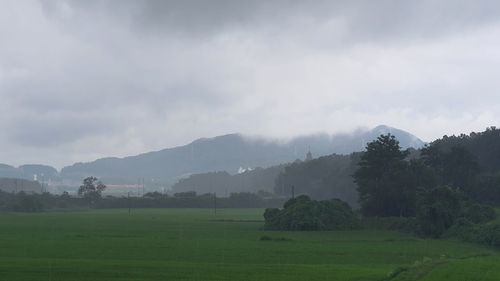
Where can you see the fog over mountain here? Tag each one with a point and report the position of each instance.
(81, 80)
(227, 153)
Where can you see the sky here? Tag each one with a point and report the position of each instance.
(81, 80)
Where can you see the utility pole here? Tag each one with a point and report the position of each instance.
(128, 202)
(293, 191)
(138, 187)
(215, 203)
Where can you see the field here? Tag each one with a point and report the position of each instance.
(196, 244)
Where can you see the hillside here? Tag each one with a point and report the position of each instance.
(29, 172)
(223, 183)
(226, 153)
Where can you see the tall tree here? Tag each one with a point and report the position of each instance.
(382, 179)
(91, 189)
(456, 167)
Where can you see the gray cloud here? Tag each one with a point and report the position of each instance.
(85, 79)
(361, 21)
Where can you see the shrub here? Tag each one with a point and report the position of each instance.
(478, 213)
(278, 239)
(463, 229)
(28, 204)
(302, 213)
(266, 238)
(437, 209)
(403, 224)
(488, 234)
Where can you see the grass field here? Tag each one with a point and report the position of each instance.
(196, 244)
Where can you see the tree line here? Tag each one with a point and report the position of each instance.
(443, 189)
(90, 196)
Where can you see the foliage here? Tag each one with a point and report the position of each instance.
(245, 199)
(478, 213)
(462, 229)
(223, 182)
(91, 189)
(269, 238)
(487, 189)
(154, 195)
(186, 194)
(387, 183)
(323, 177)
(26, 203)
(302, 213)
(456, 167)
(483, 146)
(437, 210)
(488, 234)
(402, 224)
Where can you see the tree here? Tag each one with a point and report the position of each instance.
(437, 210)
(382, 179)
(91, 189)
(457, 167)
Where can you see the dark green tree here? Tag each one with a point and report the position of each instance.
(456, 167)
(437, 210)
(91, 189)
(382, 179)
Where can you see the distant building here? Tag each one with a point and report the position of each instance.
(309, 156)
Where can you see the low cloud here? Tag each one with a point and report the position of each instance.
(85, 79)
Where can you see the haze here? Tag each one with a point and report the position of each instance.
(85, 79)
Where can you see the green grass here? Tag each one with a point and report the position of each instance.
(195, 244)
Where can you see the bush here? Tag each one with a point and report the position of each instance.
(478, 213)
(302, 213)
(437, 209)
(266, 238)
(269, 238)
(28, 203)
(488, 234)
(403, 224)
(463, 229)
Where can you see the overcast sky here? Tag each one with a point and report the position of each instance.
(86, 79)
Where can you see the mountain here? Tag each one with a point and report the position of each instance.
(223, 183)
(29, 172)
(228, 153)
(17, 185)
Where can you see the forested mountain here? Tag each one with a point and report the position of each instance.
(29, 172)
(322, 178)
(12, 185)
(226, 153)
(470, 163)
(484, 146)
(223, 183)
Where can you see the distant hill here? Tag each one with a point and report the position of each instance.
(223, 183)
(321, 178)
(227, 153)
(484, 146)
(17, 185)
(29, 172)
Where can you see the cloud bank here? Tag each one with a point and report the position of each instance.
(86, 79)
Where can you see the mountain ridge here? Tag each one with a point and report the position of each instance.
(228, 152)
